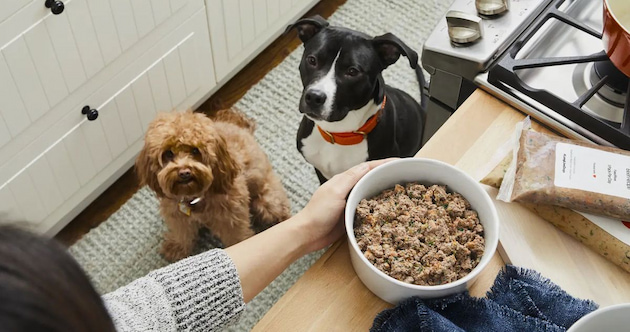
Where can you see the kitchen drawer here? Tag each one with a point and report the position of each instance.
(253, 25)
(10, 7)
(44, 188)
(50, 62)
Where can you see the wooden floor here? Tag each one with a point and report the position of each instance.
(116, 195)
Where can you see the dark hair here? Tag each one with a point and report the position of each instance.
(42, 288)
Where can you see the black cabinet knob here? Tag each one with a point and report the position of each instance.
(91, 114)
(56, 6)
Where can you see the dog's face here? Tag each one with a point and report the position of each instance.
(341, 68)
(184, 157)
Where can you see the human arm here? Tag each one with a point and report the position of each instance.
(208, 291)
(199, 293)
(261, 258)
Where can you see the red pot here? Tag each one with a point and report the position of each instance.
(616, 34)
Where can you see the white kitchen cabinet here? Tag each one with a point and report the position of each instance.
(241, 28)
(126, 59)
(9, 7)
(125, 106)
(44, 57)
(10, 211)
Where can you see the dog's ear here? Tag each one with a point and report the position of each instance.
(308, 27)
(390, 47)
(147, 168)
(225, 168)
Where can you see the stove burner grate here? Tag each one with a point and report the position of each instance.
(503, 76)
(617, 81)
(615, 87)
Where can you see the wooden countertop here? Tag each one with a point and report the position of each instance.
(330, 297)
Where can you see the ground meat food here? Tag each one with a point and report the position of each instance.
(535, 178)
(420, 235)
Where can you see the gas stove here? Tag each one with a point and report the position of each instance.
(544, 57)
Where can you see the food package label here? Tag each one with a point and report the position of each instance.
(593, 170)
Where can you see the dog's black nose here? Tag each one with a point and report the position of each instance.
(315, 98)
(184, 174)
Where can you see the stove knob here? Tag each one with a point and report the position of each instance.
(463, 28)
(491, 7)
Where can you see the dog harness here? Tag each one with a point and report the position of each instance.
(357, 136)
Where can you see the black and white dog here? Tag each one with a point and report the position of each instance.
(350, 115)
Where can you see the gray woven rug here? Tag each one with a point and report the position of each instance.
(125, 247)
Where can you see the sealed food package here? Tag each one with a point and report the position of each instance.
(608, 237)
(573, 174)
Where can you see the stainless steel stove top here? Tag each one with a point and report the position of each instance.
(569, 81)
(498, 33)
(552, 40)
(560, 40)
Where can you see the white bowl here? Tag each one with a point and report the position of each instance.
(610, 319)
(425, 171)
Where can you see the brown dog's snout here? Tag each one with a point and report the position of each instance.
(184, 174)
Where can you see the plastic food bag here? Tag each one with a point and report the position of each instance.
(572, 174)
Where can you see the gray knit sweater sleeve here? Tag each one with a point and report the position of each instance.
(199, 293)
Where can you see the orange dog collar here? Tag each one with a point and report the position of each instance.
(357, 136)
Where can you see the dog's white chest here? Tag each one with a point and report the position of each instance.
(332, 159)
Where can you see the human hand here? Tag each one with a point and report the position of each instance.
(262, 257)
(321, 220)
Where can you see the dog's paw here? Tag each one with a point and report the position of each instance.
(173, 251)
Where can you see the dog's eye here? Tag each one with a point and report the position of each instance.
(352, 72)
(195, 151)
(168, 155)
(311, 60)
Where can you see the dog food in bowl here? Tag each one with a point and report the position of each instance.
(419, 235)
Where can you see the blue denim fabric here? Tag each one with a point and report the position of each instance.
(519, 300)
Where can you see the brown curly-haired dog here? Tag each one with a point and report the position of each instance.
(209, 173)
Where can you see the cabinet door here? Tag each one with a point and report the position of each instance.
(9, 211)
(174, 74)
(240, 29)
(10, 7)
(44, 58)
(57, 174)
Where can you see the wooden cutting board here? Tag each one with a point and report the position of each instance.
(527, 240)
(330, 296)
